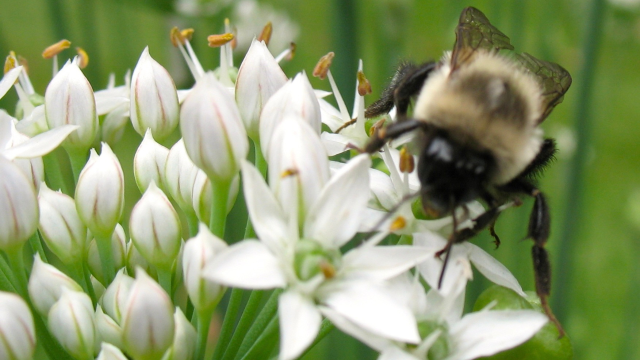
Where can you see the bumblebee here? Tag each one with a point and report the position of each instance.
(476, 119)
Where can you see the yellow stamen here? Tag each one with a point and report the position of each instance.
(398, 223)
(407, 162)
(265, 35)
(176, 37)
(84, 58)
(292, 53)
(10, 62)
(289, 172)
(364, 86)
(328, 270)
(218, 40)
(187, 33)
(55, 49)
(322, 67)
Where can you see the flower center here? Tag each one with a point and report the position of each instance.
(312, 259)
(442, 346)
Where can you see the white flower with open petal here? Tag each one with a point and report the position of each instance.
(308, 264)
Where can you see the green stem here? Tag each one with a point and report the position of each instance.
(164, 279)
(227, 324)
(261, 322)
(36, 244)
(325, 329)
(204, 322)
(54, 177)
(87, 280)
(192, 222)
(16, 261)
(77, 158)
(219, 207)
(248, 315)
(260, 161)
(106, 257)
(265, 343)
(6, 277)
(77, 274)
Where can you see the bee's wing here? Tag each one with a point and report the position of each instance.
(475, 32)
(553, 79)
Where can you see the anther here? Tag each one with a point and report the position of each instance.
(292, 51)
(84, 58)
(55, 49)
(176, 37)
(265, 35)
(407, 162)
(328, 270)
(10, 62)
(364, 86)
(397, 224)
(187, 34)
(289, 172)
(322, 67)
(219, 40)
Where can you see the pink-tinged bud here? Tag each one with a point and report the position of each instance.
(148, 325)
(179, 174)
(69, 100)
(46, 284)
(110, 352)
(184, 340)
(135, 260)
(18, 206)
(118, 249)
(107, 328)
(17, 331)
(154, 99)
(115, 298)
(60, 226)
(198, 252)
(295, 98)
(100, 192)
(71, 321)
(259, 77)
(149, 162)
(213, 133)
(155, 229)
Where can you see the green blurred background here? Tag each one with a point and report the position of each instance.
(593, 187)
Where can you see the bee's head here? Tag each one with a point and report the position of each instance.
(451, 173)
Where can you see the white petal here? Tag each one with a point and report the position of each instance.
(488, 332)
(383, 262)
(394, 353)
(370, 307)
(372, 340)
(299, 324)
(9, 79)
(42, 144)
(334, 143)
(337, 214)
(458, 269)
(266, 215)
(492, 269)
(247, 264)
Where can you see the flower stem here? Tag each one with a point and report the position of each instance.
(228, 322)
(219, 206)
(192, 222)
(248, 315)
(260, 161)
(265, 343)
(164, 279)
(55, 178)
(87, 279)
(261, 322)
(204, 322)
(16, 261)
(36, 244)
(325, 329)
(7, 279)
(77, 158)
(106, 257)
(77, 273)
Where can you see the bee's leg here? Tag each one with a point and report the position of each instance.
(406, 83)
(393, 131)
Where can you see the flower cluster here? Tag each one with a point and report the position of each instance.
(95, 289)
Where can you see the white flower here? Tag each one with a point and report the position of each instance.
(155, 229)
(259, 77)
(154, 100)
(46, 284)
(71, 321)
(17, 331)
(212, 129)
(100, 192)
(107, 328)
(69, 100)
(148, 326)
(184, 340)
(312, 270)
(18, 206)
(149, 162)
(180, 174)
(110, 352)
(114, 300)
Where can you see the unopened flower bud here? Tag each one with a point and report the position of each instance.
(179, 174)
(18, 206)
(115, 298)
(198, 252)
(118, 249)
(71, 321)
(69, 100)
(135, 260)
(17, 330)
(60, 226)
(148, 325)
(212, 129)
(297, 98)
(259, 77)
(100, 192)
(110, 352)
(184, 340)
(154, 99)
(149, 162)
(107, 328)
(46, 284)
(154, 227)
